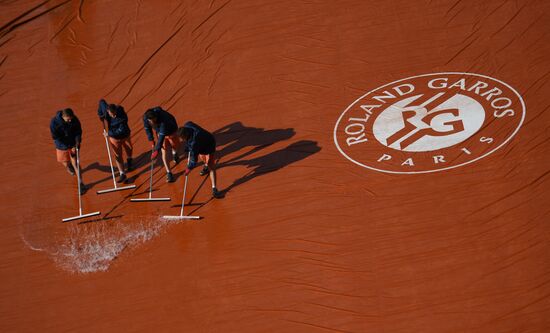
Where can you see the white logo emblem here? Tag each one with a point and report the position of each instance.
(429, 123)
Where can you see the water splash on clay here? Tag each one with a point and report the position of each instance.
(92, 248)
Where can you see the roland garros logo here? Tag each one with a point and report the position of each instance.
(429, 123)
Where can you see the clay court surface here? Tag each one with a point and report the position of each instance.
(305, 240)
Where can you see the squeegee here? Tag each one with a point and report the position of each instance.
(80, 215)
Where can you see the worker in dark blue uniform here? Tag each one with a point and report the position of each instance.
(66, 133)
(118, 134)
(166, 127)
(202, 144)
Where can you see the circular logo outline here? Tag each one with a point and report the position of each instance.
(434, 170)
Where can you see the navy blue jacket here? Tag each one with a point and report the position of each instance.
(65, 135)
(118, 126)
(199, 142)
(166, 125)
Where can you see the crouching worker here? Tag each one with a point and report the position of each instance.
(67, 135)
(166, 128)
(118, 134)
(201, 143)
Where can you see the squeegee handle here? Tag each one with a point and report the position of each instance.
(109, 153)
(151, 177)
(185, 186)
(78, 179)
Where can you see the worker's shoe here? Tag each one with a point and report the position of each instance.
(216, 194)
(122, 178)
(169, 177)
(204, 171)
(70, 169)
(83, 188)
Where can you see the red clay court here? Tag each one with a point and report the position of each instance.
(384, 163)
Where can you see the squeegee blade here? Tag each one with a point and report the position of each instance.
(116, 189)
(180, 217)
(80, 216)
(149, 199)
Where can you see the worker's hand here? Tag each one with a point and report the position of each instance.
(105, 134)
(187, 171)
(154, 154)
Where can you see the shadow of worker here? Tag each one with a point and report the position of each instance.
(273, 161)
(235, 137)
